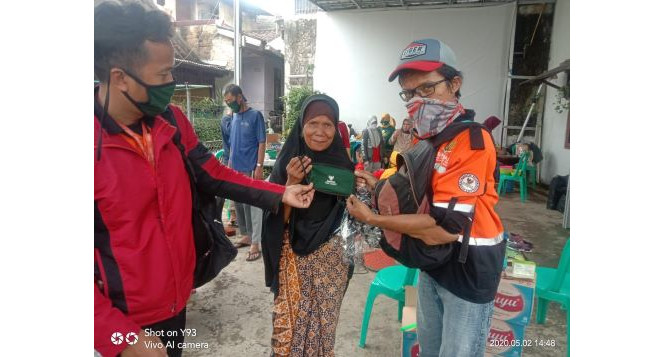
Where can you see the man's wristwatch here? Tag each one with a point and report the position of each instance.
(259, 165)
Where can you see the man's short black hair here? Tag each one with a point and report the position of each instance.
(234, 90)
(121, 29)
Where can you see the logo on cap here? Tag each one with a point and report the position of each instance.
(413, 50)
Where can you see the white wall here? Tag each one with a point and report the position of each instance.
(269, 85)
(556, 157)
(272, 64)
(253, 82)
(356, 51)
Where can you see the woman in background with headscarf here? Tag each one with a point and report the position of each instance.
(302, 252)
(387, 128)
(372, 144)
(403, 139)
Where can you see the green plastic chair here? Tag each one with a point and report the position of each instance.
(219, 154)
(391, 282)
(518, 175)
(271, 153)
(553, 286)
(531, 174)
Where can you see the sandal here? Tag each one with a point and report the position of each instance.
(251, 256)
(241, 245)
(230, 231)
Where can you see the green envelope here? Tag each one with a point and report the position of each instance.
(332, 179)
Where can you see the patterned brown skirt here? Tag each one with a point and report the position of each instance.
(307, 307)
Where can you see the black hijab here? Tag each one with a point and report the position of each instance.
(311, 227)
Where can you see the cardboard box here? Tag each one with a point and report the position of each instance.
(521, 269)
(272, 138)
(504, 339)
(409, 345)
(514, 300)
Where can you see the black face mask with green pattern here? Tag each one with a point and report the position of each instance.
(235, 106)
(159, 96)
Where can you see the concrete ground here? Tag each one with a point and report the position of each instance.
(232, 314)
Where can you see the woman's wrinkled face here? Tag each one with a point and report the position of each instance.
(319, 132)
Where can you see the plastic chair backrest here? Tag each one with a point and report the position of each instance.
(410, 276)
(521, 165)
(563, 269)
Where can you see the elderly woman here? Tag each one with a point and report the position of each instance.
(303, 254)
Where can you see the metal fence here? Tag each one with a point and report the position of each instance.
(213, 146)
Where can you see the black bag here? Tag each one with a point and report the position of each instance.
(409, 191)
(557, 189)
(214, 251)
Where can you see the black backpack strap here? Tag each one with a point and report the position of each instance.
(476, 138)
(463, 252)
(465, 241)
(170, 118)
(454, 129)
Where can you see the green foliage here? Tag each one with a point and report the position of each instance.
(293, 103)
(206, 114)
(208, 129)
(202, 107)
(561, 103)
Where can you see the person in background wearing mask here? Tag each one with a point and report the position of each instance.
(144, 252)
(247, 155)
(372, 144)
(387, 124)
(403, 139)
(455, 300)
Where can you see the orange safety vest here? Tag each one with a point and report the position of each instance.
(468, 176)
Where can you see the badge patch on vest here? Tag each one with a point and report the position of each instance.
(469, 183)
(443, 157)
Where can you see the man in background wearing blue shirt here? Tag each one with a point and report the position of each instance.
(225, 127)
(247, 153)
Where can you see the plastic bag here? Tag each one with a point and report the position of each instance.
(357, 237)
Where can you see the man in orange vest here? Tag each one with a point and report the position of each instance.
(455, 301)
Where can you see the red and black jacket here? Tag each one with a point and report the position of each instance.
(143, 240)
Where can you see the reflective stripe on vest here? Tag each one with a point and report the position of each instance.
(484, 241)
(459, 207)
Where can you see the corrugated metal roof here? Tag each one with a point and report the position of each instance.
(184, 55)
(338, 5)
(263, 35)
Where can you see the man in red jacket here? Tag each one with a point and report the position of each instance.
(143, 240)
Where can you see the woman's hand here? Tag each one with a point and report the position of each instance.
(295, 172)
(299, 196)
(358, 209)
(365, 178)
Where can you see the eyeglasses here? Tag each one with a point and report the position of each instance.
(423, 90)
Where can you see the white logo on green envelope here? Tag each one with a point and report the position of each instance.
(330, 181)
